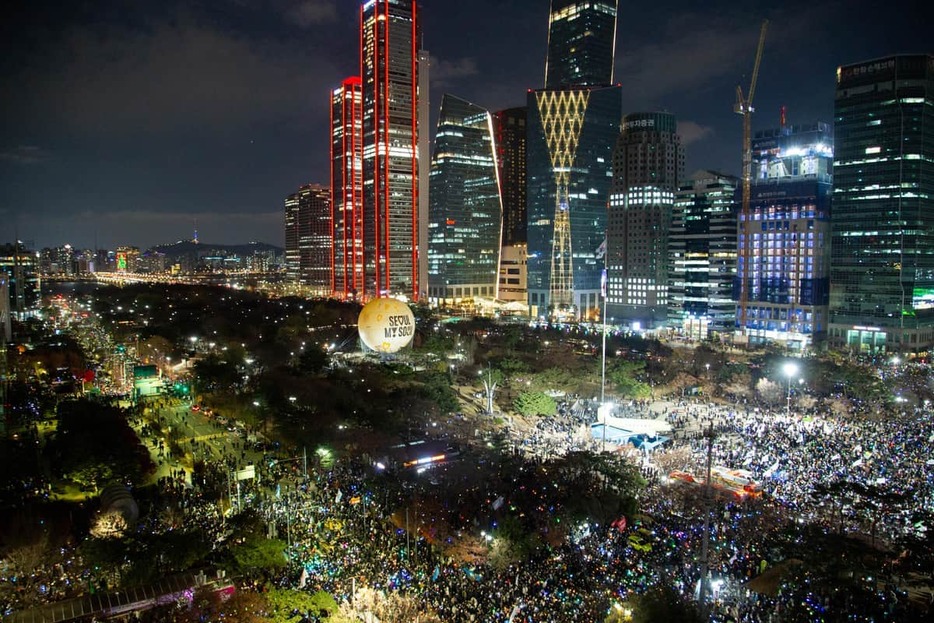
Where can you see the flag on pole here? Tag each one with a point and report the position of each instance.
(601, 250)
(603, 282)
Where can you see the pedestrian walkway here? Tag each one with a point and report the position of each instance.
(110, 604)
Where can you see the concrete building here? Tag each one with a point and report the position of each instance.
(648, 164)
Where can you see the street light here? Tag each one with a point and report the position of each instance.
(791, 370)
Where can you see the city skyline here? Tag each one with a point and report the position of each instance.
(136, 124)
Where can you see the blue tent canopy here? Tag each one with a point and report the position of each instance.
(621, 437)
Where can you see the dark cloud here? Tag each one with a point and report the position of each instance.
(24, 154)
(686, 59)
(447, 72)
(175, 75)
(692, 132)
(311, 12)
(301, 13)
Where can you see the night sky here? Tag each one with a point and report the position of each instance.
(128, 121)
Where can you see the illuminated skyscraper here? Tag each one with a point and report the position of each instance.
(309, 238)
(389, 35)
(347, 188)
(648, 164)
(882, 266)
(466, 215)
(702, 251)
(571, 133)
(572, 125)
(788, 236)
(61, 261)
(581, 42)
(19, 269)
(509, 128)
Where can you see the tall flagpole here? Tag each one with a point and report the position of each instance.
(603, 288)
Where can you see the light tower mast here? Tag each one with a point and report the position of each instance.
(744, 107)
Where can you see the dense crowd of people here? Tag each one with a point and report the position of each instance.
(342, 535)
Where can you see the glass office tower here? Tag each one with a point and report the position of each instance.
(702, 251)
(389, 37)
(882, 266)
(466, 213)
(572, 126)
(581, 42)
(571, 135)
(19, 268)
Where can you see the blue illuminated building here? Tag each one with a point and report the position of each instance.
(787, 261)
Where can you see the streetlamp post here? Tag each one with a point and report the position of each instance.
(604, 408)
(705, 543)
(791, 370)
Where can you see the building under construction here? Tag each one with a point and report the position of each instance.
(786, 234)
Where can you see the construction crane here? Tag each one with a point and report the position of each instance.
(744, 107)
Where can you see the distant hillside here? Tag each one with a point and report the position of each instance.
(187, 247)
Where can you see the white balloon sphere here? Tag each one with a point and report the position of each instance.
(386, 325)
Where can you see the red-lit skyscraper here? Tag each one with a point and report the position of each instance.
(389, 36)
(347, 189)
